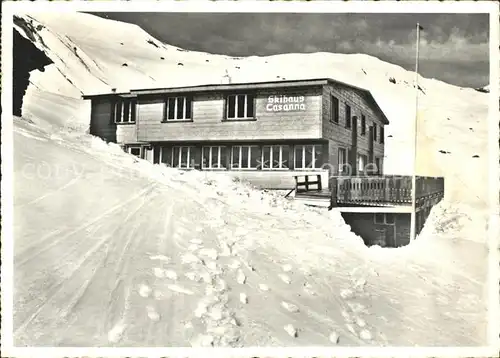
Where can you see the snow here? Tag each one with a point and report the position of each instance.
(136, 254)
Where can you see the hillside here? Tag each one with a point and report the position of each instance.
(111, 250)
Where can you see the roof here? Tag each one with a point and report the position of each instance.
(244, 86)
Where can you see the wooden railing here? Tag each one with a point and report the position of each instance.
(429, 186)
(387, 189)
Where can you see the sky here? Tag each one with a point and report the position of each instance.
(454, 47)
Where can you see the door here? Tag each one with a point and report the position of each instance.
(148, 154)
(390, 235)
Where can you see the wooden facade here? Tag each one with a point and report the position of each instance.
(294, 120)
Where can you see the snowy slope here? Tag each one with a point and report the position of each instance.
(111, 250)
(165, 258)
(93, 55)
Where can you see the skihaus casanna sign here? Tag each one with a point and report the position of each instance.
(285, 103)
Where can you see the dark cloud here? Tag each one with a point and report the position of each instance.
(454, 47)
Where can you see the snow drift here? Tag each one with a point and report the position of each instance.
(112, 250)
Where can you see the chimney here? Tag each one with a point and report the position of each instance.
(113, 90)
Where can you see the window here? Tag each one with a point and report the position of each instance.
(363, 124)
(389, 218)
(137, 151)
(239, 106)
(275, 157)
(382, 134)
(183, 157)
(124, 111)
(213, 158)
(379, 218)
(335, 109)
(384, 218)
(307, 156)
(374, 132)
(245, 157)
(378, 165)
(342, 160)
(347, 116)
(362, 161)
(177, 109)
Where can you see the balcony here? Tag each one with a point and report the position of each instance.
(387, 190)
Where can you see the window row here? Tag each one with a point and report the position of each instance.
(267, 157)
(179, 108)
(237, 106)
(335, 117)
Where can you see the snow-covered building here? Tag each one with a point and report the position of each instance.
(268, 131)
(320, 137)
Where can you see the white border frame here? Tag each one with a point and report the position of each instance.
(269, 7)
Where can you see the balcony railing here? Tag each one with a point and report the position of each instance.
(374, 190)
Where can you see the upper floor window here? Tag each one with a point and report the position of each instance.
(347, 116)
(374, 132)
(124, 111)
(245, 157)
(307, 156)
(381, 134)
(240, 106)
(213, 157)
(275, 156)
(334, 109)
(363, 124)
(177, 109)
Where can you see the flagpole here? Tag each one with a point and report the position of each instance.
(413, 229)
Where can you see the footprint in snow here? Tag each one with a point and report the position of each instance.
(240, 277)
(346, 294)
(285, 278)
(243, 298)
(360, 322)
(152, 314)
(263, 287)
(334, 338)
(158, 272)
(160, 257)
(180, 289)
(116, 333)
(170, 274)
(365, 335)
(144, 290)
(290, 307)
(291, 330)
